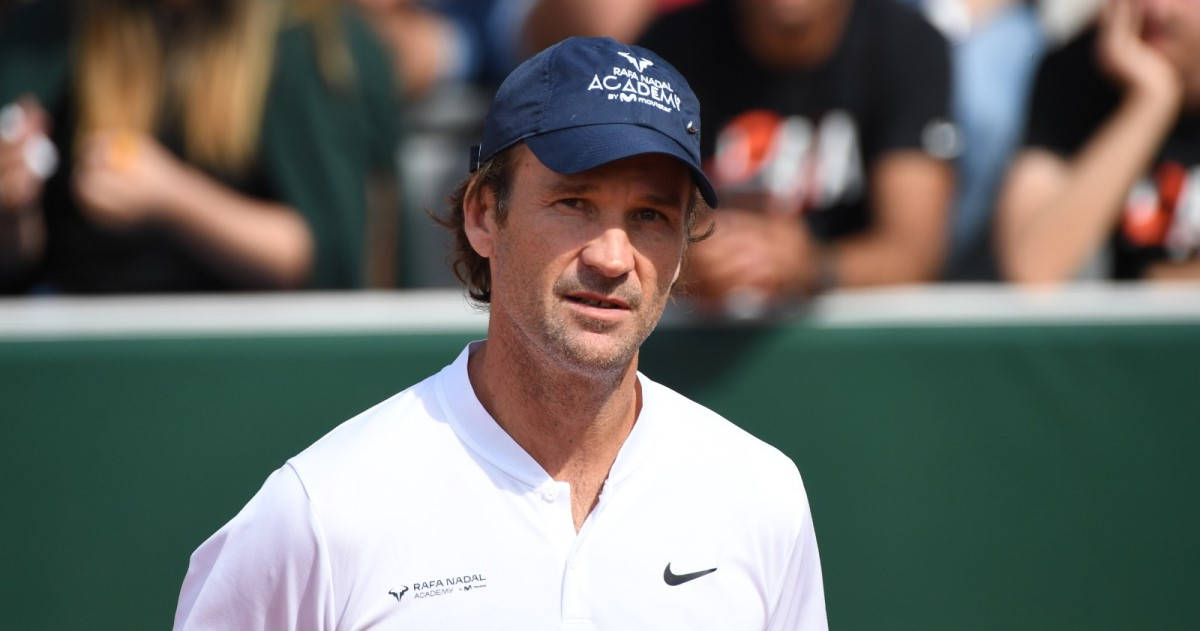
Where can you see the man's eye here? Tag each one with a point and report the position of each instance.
(571, 202)
(649, 214)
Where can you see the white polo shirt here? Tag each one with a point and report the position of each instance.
(422, 513)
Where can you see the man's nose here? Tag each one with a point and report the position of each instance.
(610, 253)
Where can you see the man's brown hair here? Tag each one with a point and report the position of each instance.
(496, 174)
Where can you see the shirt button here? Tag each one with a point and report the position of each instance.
(550, 494)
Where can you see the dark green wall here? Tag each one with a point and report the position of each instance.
(961, 478)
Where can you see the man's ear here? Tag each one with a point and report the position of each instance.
(479, 218)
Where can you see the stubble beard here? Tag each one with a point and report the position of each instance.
(572, 342)
(613, 346)
(573, 352)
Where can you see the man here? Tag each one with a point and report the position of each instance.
(1108, 184)
(831, 147)
(539, 481)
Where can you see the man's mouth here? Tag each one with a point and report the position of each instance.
(597, 301)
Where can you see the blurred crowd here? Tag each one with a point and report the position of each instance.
(217, 145)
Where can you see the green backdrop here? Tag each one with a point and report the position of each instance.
(961, 477)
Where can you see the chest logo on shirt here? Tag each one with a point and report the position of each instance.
(789, 165)
(443, 586)
(1164, 211)
(674, 579)
(399, 594)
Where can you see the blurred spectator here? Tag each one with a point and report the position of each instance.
(204, 145)
(449, 55)
(436, 42)
(827, 132)
(995, 48)
(1108, 184)
(622, 20)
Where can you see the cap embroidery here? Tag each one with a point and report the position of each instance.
(640, 64)
(628, 86)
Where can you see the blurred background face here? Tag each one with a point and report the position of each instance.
(787, 15)
(1173, 28)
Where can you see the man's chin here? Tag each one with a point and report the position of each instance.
(597, 351)
(587, 344)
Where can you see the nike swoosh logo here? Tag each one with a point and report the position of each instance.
(679, 579)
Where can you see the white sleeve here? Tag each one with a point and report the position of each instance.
(801, 605)
(266, 569)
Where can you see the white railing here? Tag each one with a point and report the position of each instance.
(60, 317)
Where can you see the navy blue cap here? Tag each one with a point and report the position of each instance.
(584, 102)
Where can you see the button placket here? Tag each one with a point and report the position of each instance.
(575, 610)
(551, 501)
(576, 613)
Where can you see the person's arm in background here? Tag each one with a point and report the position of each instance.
(1054, 213)
(910, 184)
(22, 226)
(123, 180)
(1170, 271)
(910, 196)
(776, 255)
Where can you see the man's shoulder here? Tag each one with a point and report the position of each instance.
(381, 438)
(710, 440)
(713, 469)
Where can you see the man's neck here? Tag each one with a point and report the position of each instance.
(572, 423)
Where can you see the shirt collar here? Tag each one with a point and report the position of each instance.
(483, 435)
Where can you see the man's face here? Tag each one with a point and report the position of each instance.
(583, 265)
(1173, 28)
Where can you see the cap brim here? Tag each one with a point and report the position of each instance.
(577, 149)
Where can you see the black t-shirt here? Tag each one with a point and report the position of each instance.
(805, 140)
(1071, 101)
